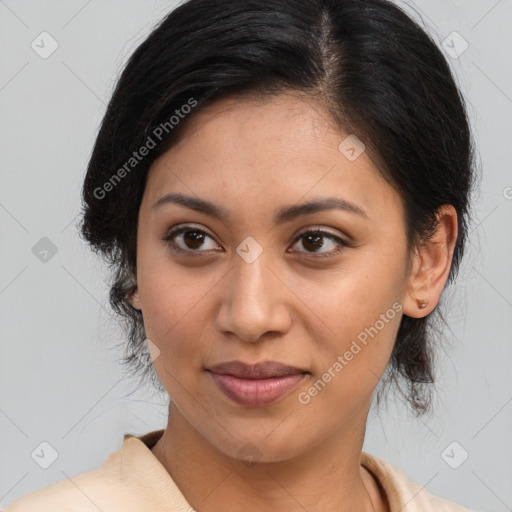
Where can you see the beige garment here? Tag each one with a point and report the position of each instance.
(133, 480)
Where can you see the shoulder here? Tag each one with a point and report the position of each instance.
(116, 485)
(402, 494)
(83, 492)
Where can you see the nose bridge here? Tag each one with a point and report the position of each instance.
(250, 285)
(251, 301)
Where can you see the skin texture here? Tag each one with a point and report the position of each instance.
(289, 305)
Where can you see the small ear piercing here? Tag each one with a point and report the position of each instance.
(422, 304)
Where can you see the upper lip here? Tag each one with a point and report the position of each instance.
(260, 370)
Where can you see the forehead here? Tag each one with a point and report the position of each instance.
(269, 151)
(286, 121)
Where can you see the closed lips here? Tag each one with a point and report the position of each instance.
(258, 384)
(261, 370)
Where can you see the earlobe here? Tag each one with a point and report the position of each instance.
(431, 265)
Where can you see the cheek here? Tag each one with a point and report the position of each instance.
(174, 313)
(354, 296)
(360, 309)
(349, 366)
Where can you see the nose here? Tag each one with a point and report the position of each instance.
(253, 301)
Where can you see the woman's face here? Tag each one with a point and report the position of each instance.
(254, 286)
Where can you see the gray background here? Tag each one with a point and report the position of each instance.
(60, 380)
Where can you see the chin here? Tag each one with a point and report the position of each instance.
(262, 447)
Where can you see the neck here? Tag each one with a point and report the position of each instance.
(313, 481)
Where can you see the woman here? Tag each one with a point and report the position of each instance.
(265, 186)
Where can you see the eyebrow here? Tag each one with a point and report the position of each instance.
(285, 214)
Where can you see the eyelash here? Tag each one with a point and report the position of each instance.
(319, 232)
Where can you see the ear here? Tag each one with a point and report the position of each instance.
(134, 299)
(430, 265)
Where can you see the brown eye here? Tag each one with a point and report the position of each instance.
(314, 241)
(193, 239)
(188, 239)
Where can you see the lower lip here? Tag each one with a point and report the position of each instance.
(256, 392)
